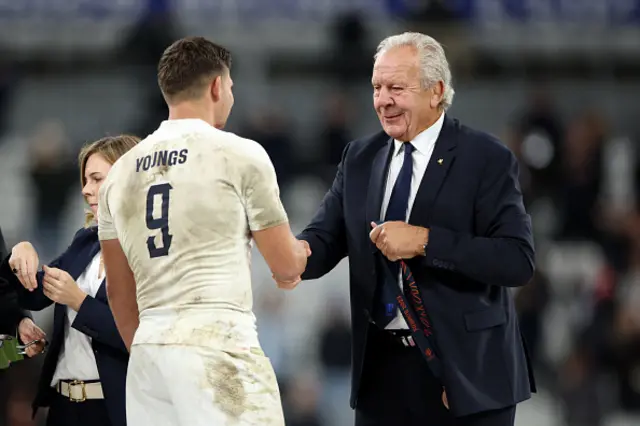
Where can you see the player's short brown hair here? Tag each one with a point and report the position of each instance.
(188, 65)
(110, 148)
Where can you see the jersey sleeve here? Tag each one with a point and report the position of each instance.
(261, 193)
(106, 229)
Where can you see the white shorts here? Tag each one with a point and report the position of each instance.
(169, 385)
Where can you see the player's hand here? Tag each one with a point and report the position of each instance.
(28, 332)
(399, 240)
(304, 245)
(304, 250)
(24, 263)
(287, 285)
(61, 288)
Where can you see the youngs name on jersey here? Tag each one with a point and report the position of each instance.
(161, 158)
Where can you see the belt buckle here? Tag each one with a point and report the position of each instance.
(82, 387)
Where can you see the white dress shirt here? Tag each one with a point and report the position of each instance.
(76, 360)
(424, 144)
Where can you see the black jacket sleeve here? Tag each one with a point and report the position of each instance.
(10, 312)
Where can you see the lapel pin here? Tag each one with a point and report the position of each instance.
(440, 161)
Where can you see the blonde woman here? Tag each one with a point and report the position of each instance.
(84, 372)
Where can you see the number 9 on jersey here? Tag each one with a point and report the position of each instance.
(162, 222)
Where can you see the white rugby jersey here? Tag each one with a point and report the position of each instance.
(182, 204)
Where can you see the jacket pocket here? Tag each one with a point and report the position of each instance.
(487, 318)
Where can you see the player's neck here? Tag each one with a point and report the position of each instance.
(186, 111)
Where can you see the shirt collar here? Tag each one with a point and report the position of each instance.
(186, 122)
(425, 139)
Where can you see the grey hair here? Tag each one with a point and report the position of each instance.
(433, 61)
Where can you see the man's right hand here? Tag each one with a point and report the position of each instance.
(287, 285)
(291, 284)
(24, 262)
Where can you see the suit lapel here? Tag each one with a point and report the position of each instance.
(377, 181)
(441, 160)
(375, 192)
(83, 256)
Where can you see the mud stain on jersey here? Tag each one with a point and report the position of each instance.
(131, 202)
(163, 169)
(225, 333)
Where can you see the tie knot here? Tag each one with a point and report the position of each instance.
(408, 148)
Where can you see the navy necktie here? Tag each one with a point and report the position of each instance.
(386, 308)
(399, 200)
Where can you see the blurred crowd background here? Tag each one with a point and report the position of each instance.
(557, 80)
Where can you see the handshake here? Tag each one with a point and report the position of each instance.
(303, 251)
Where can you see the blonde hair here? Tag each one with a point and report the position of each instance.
(110, 148)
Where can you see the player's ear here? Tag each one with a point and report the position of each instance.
(216, 88)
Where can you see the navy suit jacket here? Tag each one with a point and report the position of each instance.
(10, 312)
(94, 319)
(480, 245)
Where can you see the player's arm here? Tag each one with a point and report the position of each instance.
(285, 255)
(121, 290)
(268, 222)
(121, 285)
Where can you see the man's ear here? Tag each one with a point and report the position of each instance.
(216, 88)
(437, 94)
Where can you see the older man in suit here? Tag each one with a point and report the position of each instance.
(430, 214)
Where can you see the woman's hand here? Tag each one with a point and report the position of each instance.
(24, 262)
(28, 332)
(61, 288)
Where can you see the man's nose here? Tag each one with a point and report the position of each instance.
(384, 98)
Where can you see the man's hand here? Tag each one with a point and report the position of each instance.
(287, 285)
(61, 288)
(24, 262)
(291, 284)
(28, 331)
(304, 245)
(399, 240)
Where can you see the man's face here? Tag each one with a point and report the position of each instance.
(403, 106)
